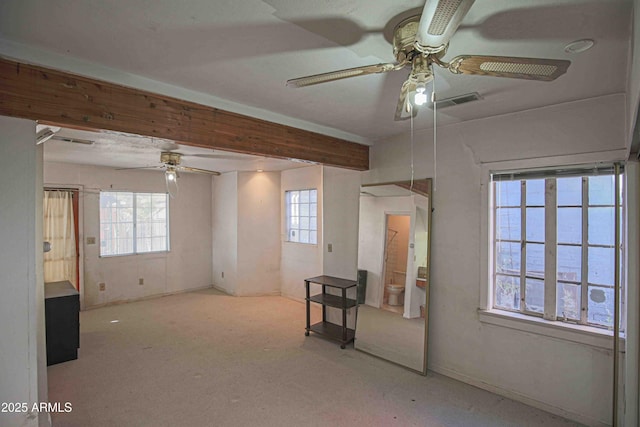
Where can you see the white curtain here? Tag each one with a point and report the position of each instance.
(59, 230)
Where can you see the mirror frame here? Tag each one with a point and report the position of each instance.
(422, 187)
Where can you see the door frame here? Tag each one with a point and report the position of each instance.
(80, 236)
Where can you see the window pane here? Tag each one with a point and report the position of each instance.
(107, 199)
(159, 229)
(304, 210)
(143, 244)
(159, 244)
(293, 235)
(601, 226)
(601, 190)
(508, 258)
(304, 236)
(313, 223)
(569, 191)
(313, 209)
(601, 304)
(508, 193)
(535, 260)
(124, 214)
(304, 196)
(568, 301)
(313, 237)
(508, 225)
(143, 230)
(601, 271)
(313, 196)
(535, 192)
(534, 299)
(507, 292)
(569, 263)
(570, 225)
(535, 224)
(304, 223)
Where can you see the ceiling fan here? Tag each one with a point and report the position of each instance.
(170, 162)
(422, 40)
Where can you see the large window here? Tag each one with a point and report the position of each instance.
(133, 223)
(302, 216)
(554, 244)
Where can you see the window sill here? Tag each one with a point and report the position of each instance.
(581, 334)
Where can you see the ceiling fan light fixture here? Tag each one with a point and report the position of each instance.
(171, 178)
(420, 97)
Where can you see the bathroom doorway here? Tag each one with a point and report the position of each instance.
(396, 252)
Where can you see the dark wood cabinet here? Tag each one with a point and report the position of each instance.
(327, 329)
(62, 317)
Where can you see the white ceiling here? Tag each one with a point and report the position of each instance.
(243, 51)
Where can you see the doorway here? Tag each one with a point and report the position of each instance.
(61, 231)
(396, 254)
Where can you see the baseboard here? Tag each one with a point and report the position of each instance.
(147, 297)
(292, 297)
(221, 289)
(510, 394)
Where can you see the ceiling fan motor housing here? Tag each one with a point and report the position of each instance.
(169, 158)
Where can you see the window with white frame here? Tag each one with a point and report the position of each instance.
(554, 244)
(133, 223)
(302, 216)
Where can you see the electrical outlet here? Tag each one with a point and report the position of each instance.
(102, 286)
(91, 240)
(141, 281)
(329, 247)
(223, 274)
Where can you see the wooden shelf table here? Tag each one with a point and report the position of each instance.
(327, 329)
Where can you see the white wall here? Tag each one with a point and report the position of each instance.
(258, 233)
(341, 203)
(224, 226)
(300, 260)
(564, 377)
(185, 267)
(22, 347)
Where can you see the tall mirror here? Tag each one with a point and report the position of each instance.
(393, 254)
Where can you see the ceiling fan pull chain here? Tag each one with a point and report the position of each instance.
(412, 138)
(435, 127)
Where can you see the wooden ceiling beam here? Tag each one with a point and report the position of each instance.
(56, 97)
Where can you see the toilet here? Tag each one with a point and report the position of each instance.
(395, 291)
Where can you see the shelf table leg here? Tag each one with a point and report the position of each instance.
(306, 283)
(324, 308)
(344, 316)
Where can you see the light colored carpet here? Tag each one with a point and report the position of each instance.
(207, 359)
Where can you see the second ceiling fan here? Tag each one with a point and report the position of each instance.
(421, 41)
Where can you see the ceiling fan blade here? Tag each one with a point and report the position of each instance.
(510, 66)
(141, 167)
(343, 74)
(403, 112)
(197, 170)
(439, 21)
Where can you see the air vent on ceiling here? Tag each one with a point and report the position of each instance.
(457, 100)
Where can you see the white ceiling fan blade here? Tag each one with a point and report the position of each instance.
(439, 21)
(510, 66)
(404, 110)
(197, 170)
(343, 74)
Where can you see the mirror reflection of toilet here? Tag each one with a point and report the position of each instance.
(395, 292)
